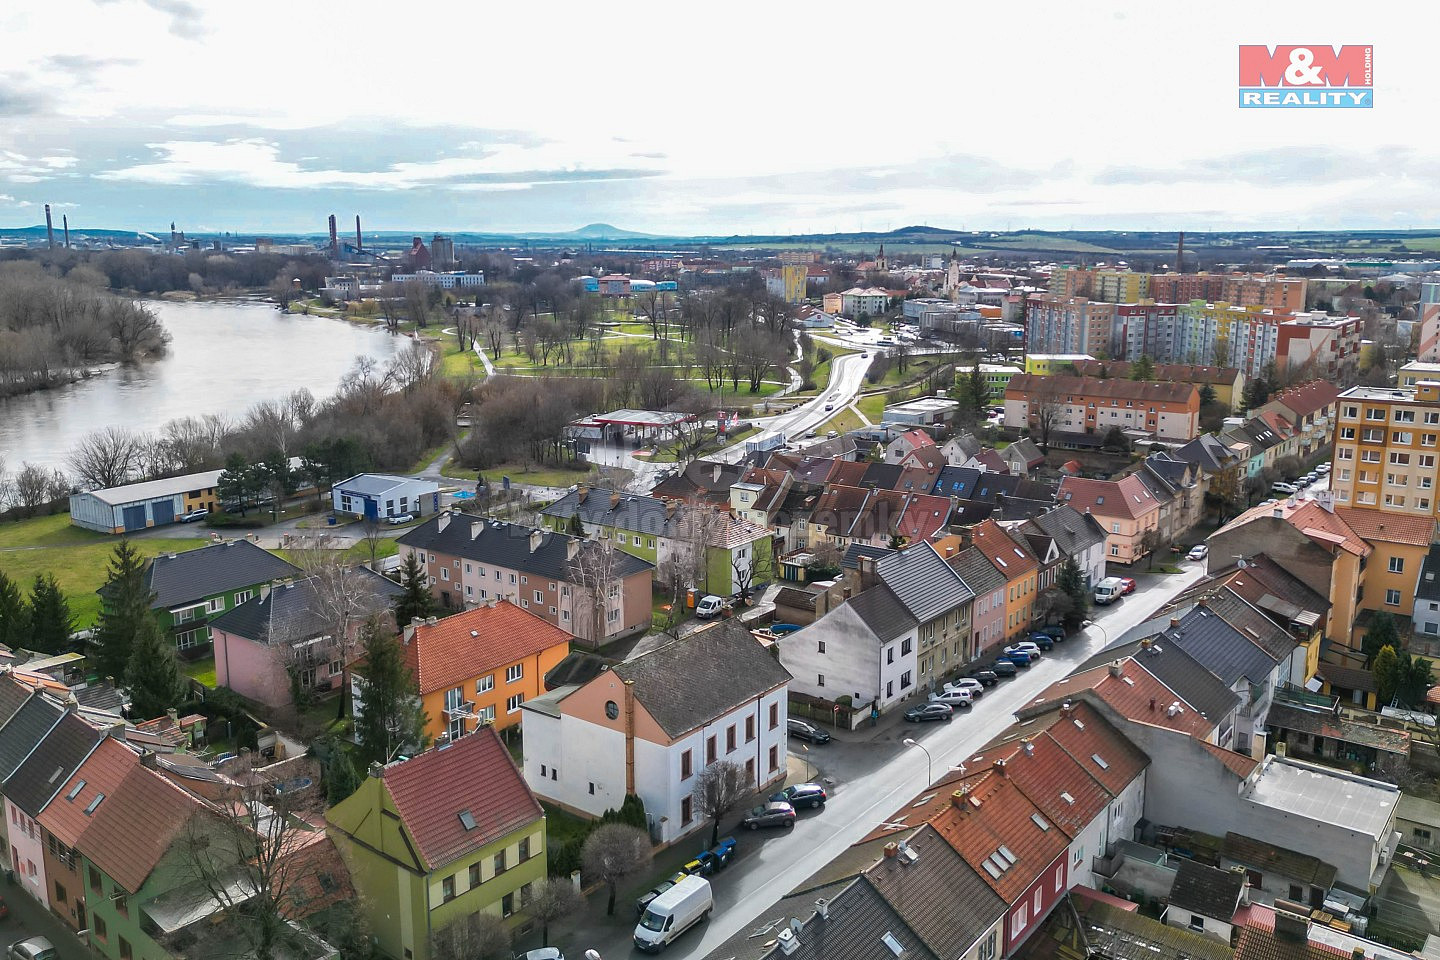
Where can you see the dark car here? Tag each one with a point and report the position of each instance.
(773, 814)
(985, 675)
(1054, 632)
(643, 900)
(1004, 668)
(802, 795)
(1043, 640)
(929, 711)
(807, 731)
(1020, 658)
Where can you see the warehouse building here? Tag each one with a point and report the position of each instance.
(139, 506)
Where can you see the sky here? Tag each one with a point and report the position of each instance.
(783, 116)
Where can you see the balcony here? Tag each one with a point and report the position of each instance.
(465, 708)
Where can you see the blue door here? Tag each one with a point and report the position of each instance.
(163, 511)
(135, 517)
(372, 509)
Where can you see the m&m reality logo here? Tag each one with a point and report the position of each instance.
(1307, 76)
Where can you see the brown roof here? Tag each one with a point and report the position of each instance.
(1129, 695)
(316, 877)
(1084, 734)
(130, 830)
(1308, 398)
(1375, 525)
(473, 775)
(987, 811)
(1184, 372)
(451, 651)
(1002, 551)
(1237, 763)
(1150, 391)
(1261, 943)
(1314, 521)
(102, 772)
(1126, 497)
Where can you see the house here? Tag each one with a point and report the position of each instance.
(292, 627)
(1126, 508)
(1418, 821)
(1228, 383)
(1183, 504)
(192, 588)
(1204, 899)
(1020, 569)
(651, 723)
(710, 550)
(958, 450)
(448, 833)
(1426, 617)
(475, 668)
(936, 598)
(1310, 407)
(470, 561)
(1022, 456)
(1278, 873)
(702, 481)
(907, 443)
(1077, 536)
(863, 649)
(987, 618)
(377, 496)
(933, 412)
(1389, 578)
(1085, 405)
(138, 506)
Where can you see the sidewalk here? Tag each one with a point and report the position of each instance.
(29, 918)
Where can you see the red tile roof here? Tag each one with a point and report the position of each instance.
(1126, 497)
(1237, 763)
(988, 811)
(1084, 734)
(1129, 695)
(316, 877)
(473, 774)
(1314, 521)
(133, 828)
(1308, 398)
(449, 652)
(1375, 525)
(1001, 550)
(102, 772)
(1048, 775)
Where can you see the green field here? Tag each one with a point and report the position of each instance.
(842, 422)
(76, 557)
(873, 407)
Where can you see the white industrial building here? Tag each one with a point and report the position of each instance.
(139, 506)
(376, 496)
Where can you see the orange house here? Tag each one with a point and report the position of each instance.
(1019, 568)
(477, 667)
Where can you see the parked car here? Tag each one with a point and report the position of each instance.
(954, 698)
(194, 515)
(1054, 631)
(1109, 590)
(985, 676)
(802, 795)
(644, 899)
(709, 606)
(1323, 469)
(807, 731)
(672, 913)
(1019, 658)
(399, 519)
(970, 685)
(929, 711)
(1025, 646)
(1198, 552)
(776, 813)
(1044, 641)
(1003, 668)
(1289, 489)
(1127, 586)
(541, 953)
(36, 948)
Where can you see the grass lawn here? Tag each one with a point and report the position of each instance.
(525, 473)
(872, 406)
(562, 826)
(202, 670)
(56, 530)
(359, 553)
(843, 422)
(455, 362)
(78, 566)
(427, 456)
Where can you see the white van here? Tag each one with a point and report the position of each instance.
(1109, 590)
(673, 912)
(709, 606)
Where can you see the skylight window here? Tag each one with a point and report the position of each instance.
(1065, 795)
(991, 869)
(75, 790)
(1100, 761)
(94, 803)
(894, 945)
(467, 820)
(1004, 854)
(1040, 821)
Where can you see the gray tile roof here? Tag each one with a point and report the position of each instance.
(1179, 671)
(923, 582)
(296, 611)
(956, 482)
(13, 695)
(507, 545)
(880, 610)
(1219, 647)
(1429, 585)
(938, 895)
(977, 571)
(25, 731)
(636, 513)
(179, 578)
(853, 553)
(1252, 622)
(35, 782)
(687, 683)
(1073, 531)
(1208, 452)
(1206, 890)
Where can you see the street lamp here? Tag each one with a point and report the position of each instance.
(909, 742)
(806, 748)
(1103, 634)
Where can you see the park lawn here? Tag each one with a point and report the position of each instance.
(843, 422)
(535, 475)
(873, 407)
(79, 568)
(52, 531)
(455, 362)
(768, 388)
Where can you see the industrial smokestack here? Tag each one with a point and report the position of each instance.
(49, 228)
(1180, 254)
(359, 242)
(65, 222)
(334, 239)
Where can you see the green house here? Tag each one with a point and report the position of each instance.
(194, 587)
(449, 833)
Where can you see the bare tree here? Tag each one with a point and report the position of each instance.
(342, 596)
(1046, 408)
(33, 486)
(720, 788)
(476, 936)
(551, 899)
(612, 854)
(596, 570)
(413, 366)
(372, 534)
(107, 458)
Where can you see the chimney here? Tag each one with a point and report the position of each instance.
(358, 238)
(376, 769)
(1145, 643)
(1278, 513)
(582, 491)
(670, 506)
(1029, 749)
(147, 759)
(1174, 623)
(65, 225)
(892, 850)
(477, 527)
(174, 716)
(444, 521)
(1117, 668)
(715, 474)
(572, 548)
(49, 228)
(537, 536)
(787, 940)
(1000, 766)
(822, 907)
(1292, 922)
(1152, 704)
(407, 634)
(614, 500)
(1066, 707)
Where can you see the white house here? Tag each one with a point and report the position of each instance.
(651, 724)
(376, 496)
(864, 649)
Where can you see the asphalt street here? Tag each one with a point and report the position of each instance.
(871, 778)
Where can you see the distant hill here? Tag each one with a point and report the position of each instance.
(596, 231)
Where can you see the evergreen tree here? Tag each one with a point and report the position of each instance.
(341, 777)
(1208, 395)
(14, 615)
(415, 603)
(1142, 369)
(124, 611)
(1414, 681)
(977, 389)
(390, 717)
(1381, 633)
(51, 622)
(153, 675)
(1387, 669)
(237, 480)
(1071, 582)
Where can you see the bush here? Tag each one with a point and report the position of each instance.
(234, 522)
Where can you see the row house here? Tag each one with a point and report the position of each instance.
(1227, 382)
(1179, 485)
(1310, 409)
(1075, 536)
(1127, 509)
(1021, 571)
(843, 515)
(472, 561)
(1167, 411)
(987, 617)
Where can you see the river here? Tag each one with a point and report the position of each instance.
(224, 357)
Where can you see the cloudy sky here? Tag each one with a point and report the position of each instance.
(674, 117)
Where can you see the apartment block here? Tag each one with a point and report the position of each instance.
(1168, 411)
(1059, 324)
(1386, 442)
(1327, 346)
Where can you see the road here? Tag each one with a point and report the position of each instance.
(847, 374)
(873, 778)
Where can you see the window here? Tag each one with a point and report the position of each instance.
(447, 889)
(122, 904)
(687, 812)
(95, 884)
(513, 703)
(524, 849)
(1401, 416)
(59, 892)
(486, 714)
(820, 680)
(774, 715)
(1392, 598)
(242, 595)
(904, 646)
(539, 597)
(686, 766)
(905, 680)
(820, 646)
(1021, 918)
(1397, 564)
(710, 754)
(97, 924)
(444, 573)
(474, 875)
(215, 605)
(749, 729)
(507, 905)
(987, 949)
(188, 639)
(499, 863)
(730, 739)
(514, 672)
(1114, 528)
(485, 684)
(1197, 922)
(889, 654)
(774, 759)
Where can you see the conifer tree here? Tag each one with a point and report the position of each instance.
(153, 674)
(51, 621)
(14, 615)
(390, 717)
(415, 603)
(124, 611)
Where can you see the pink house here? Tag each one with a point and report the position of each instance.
(285, 627)
(987, 615)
